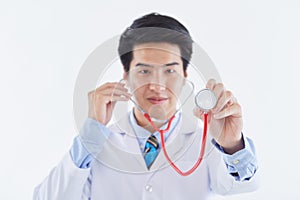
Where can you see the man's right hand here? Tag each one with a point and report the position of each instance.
(103, 99)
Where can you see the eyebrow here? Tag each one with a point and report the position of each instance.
(149, 65)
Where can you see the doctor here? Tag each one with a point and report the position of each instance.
(125, 160)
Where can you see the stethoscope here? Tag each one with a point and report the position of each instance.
(205, 100)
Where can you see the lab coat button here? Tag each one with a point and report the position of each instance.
(236, 162)
(148, 188)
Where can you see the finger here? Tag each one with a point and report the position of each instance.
(198, 113)
(117, 93)
(211, 84)
(106, 87)
(112, 85)
(233, 100)
(120, 86)
(119, 98)
(114, 92)
(108, 98)
(224, 100)
(120, 89)
(234, 111)
(218, 89)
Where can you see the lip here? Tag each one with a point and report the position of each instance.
(157, 100)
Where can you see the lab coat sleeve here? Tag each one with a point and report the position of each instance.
(242, 164)
(88, 143)
(71, 178)
(223, 182)
(66, 181)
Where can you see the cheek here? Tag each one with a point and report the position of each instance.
(174, 92)
(140, 92)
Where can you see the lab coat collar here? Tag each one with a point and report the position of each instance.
(122, 151)
(124, 126)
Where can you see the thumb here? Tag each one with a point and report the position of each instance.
(198, 113)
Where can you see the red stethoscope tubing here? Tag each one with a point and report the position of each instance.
(203, 144)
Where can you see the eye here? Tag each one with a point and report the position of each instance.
(144, 71)
(170, 71)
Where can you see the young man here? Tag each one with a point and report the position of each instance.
(125, 160)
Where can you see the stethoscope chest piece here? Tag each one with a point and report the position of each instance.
(206, 100)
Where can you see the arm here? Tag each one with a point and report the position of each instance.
(239, 171)
(66, 181)
(236, 173)
(242, 165)
(69, 180)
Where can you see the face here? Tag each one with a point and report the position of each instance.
(156, 78)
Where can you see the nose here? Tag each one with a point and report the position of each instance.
(157, 87)
(157, 84)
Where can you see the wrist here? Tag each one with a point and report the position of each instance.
(234, 146)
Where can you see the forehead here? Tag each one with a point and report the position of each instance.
(158, 53)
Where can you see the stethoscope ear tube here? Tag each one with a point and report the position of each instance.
(191, 92)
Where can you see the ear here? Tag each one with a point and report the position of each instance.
(185, 74)
(125, 75)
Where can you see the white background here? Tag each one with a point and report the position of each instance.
(254, 44)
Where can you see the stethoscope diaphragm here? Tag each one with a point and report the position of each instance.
(206, 100)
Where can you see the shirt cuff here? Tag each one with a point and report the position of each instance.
(88, 143)
(242, 164)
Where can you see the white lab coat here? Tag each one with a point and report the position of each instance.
(122, 172)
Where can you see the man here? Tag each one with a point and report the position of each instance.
(125, 160)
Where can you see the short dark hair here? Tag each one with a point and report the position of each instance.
(155, 28)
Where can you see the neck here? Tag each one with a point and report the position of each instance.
(143, 122)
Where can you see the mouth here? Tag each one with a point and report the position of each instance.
(157, 100)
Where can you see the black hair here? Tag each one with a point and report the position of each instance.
(155, 28)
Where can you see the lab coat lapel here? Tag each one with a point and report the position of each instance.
(121, 151)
